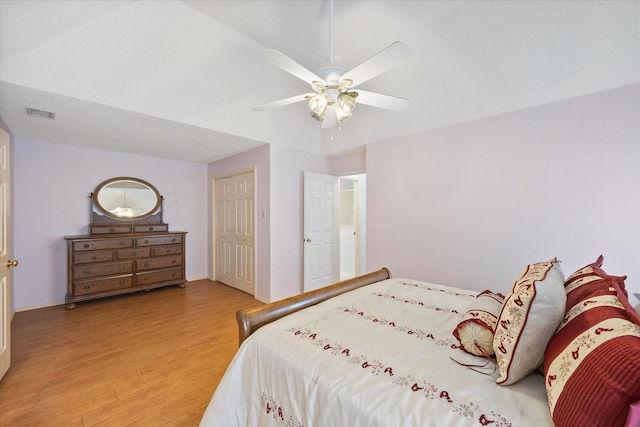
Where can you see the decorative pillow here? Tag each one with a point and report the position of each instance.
(475, 330)
(530, 315)
(592, 364)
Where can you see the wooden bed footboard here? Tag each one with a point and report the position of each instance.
(250, 321)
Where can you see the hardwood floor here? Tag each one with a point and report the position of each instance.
(148, 359)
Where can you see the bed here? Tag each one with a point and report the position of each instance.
(373, 351)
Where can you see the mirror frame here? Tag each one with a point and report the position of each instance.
(96, 195)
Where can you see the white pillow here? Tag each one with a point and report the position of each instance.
(530, 315)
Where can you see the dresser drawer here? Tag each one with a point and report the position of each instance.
(89, 257)
(105, 269)
(150, 228)
(92, 245)
(166, 250)
(110, 229)
(171, 239)
(159, 277)
(160, 262)
(102, 285)
(133, 253)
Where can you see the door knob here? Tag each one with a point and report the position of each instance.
(13, 263)
(308, 240)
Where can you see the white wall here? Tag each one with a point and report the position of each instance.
(52, 183)
(471, 205)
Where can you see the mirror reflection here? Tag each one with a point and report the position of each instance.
(126, 198)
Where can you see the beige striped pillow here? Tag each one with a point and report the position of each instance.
(531, 313)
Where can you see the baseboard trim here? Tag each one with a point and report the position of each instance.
(35, 307)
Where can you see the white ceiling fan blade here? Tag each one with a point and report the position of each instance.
(282, 61)
(282, 102)
(381, 62)
(381, 101)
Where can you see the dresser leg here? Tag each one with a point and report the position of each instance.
(181, 285)
(71, 306)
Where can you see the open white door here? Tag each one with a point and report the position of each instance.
(321, 232)
(5, 262)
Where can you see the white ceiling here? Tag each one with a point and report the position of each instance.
(177, 79)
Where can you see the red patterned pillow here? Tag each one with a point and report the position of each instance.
(530, 315)
(475, 330)
(592, 363)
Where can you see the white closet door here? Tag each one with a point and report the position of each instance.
(244, 275)
(235, 231)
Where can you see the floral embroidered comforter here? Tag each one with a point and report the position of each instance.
(381, 355)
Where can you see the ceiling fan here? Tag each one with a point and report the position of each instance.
(334, 97)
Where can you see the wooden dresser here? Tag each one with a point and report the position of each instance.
(123, 256)
(101, 266)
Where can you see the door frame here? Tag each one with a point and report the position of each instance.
(213, 259)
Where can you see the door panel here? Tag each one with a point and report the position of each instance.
(5, 245)
(235, 236)
(321, 251)
(224, 237)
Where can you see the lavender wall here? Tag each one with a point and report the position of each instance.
(468, 206)
(51, 185)
(279, 173)
(471, 205)
(287, 208)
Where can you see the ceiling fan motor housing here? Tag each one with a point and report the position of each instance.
(331, 74)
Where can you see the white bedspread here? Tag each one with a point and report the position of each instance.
(377, 356)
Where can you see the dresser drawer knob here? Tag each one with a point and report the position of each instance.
(173, 240)
(86, 288)
(146, 264)
(174, 261)
(86, 272)
(111, 230)
(150, 228)
(86, 246)
(146, 242)
(93, 258)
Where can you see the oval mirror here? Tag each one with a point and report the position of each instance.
(126, 198)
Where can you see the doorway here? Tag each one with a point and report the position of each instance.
(352, 208)
(334, 238)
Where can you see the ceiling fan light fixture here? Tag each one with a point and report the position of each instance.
(346, 102)
(318, 105)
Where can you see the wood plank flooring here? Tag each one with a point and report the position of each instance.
(147, 359)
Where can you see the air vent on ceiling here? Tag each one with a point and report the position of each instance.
(41, 113)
